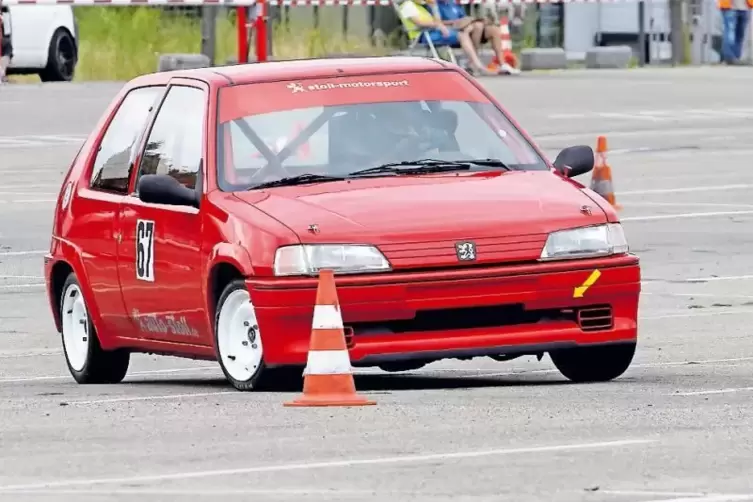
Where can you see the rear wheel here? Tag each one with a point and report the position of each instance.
(594, 364)
(61, 59)
(239, 346)
(87, 362)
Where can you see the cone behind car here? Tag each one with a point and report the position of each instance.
(601, 179)
(510, 63)
(328, 379)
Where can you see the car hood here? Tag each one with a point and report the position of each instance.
(417, 221)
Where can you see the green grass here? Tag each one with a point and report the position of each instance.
(119, 43)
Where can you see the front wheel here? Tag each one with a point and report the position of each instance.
(593, 364)
(239, 346)
(87, 362)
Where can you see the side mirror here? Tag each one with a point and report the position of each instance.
(575, 160)
(164, 189)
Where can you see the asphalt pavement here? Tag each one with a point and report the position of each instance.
(677, 426)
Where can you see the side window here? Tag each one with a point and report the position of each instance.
(174, 146)
(111, 164)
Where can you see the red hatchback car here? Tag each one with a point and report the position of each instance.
(195, 219)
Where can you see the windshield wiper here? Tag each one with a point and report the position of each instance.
(489, 163)
(298, 180)
(431, 166)
(415, 166)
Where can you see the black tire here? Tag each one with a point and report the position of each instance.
(263, 377)
(61, 59)
(100, 366)
(594, 364)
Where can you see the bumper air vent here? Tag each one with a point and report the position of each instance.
(595, 318)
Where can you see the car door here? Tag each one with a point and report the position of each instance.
(97, 204)
(159, 250)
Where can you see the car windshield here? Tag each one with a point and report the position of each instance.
(319, 131)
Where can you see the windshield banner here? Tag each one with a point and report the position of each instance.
(253, 99)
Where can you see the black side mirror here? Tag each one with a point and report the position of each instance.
(575, 160)
(164, 189)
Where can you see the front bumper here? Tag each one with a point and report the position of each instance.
(459, 313)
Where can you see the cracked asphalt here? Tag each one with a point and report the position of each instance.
(675, 427)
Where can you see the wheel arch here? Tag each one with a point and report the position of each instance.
(227, 262)
(68, 259)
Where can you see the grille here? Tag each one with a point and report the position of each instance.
(595, 318)
(511, 248)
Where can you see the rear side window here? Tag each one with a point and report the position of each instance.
(110, 172)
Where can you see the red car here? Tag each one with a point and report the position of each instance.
(195, 217)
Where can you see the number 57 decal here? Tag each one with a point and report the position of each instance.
(145, 250)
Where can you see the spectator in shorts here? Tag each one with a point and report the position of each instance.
(6, 48)
(735, 17)
(418, 18)
(481, 31)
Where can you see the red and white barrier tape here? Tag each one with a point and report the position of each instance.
(291, 3)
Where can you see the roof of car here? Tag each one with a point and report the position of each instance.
(301, 68)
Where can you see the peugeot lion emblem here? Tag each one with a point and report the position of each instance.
(466, 251)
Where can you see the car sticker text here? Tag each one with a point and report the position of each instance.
(145, 250)
(163, 324)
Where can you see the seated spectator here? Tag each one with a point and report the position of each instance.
(481, 31)
(418, 18)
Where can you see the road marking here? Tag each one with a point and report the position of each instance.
(697, 314)
(738, 186)
(672, 115)
(21, 277)
(713, 497)
(685, 215)
(24, 286)
(684, 204)
(23, 253)
(740, 132)
(334, 492)
(644, 365)
(579, 291)
(653, 492)
(153, 398)
(27, 201)
(720, 278)
(307, 466)
(709, 392)
(135, 373)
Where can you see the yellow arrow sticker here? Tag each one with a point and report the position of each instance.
(581, 290)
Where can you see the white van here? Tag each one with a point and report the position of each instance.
(45, 41)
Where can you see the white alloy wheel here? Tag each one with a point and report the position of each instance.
(76, 337)
(238, 339)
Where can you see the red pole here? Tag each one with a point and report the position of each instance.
(261, 32)
(242, 35)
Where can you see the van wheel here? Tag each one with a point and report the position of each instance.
(61, 59)
(87, 362)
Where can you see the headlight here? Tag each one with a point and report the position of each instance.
(340, 258)
(585, 242)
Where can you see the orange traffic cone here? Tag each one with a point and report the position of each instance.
(510, 63)
(601, 179)
(328, 378)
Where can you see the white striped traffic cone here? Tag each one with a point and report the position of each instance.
(328, 378)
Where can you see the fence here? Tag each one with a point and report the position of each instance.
(575, 26)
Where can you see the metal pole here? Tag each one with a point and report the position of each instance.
(242, 34)
(675, 31)
(209, 32)
(642, 33)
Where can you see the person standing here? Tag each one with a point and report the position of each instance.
(735, 18)
(6, 48)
